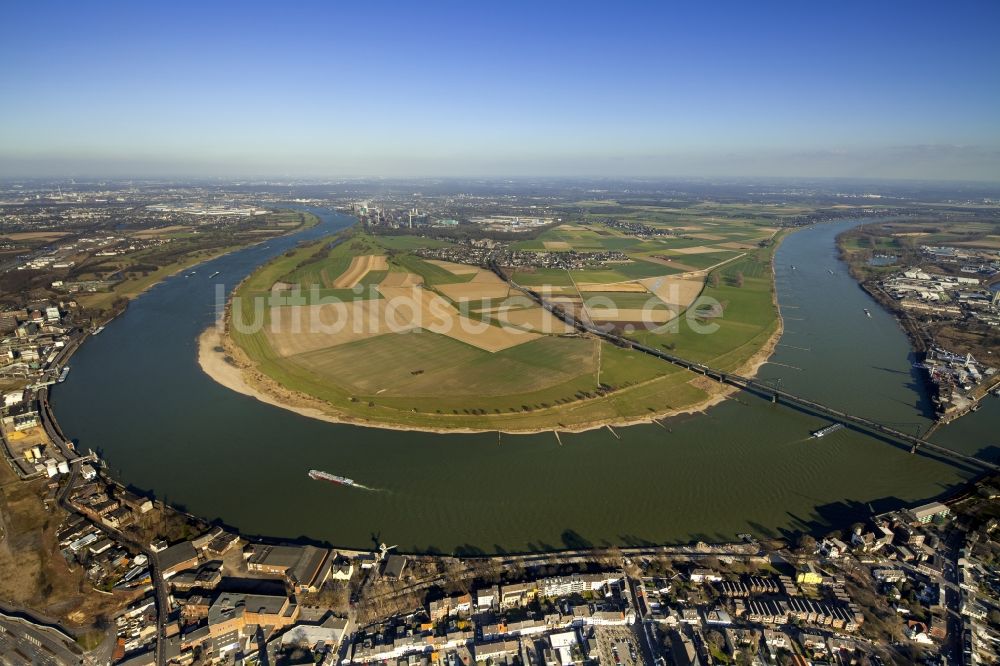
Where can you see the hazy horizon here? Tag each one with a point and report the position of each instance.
(895, 91)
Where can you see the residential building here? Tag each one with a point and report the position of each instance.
(927, 512)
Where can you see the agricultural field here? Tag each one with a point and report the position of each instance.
(142, 269)
(392, 334)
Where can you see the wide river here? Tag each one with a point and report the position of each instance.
(137, 396)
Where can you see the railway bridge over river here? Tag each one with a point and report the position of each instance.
(761, 388)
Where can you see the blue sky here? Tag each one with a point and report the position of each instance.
(907, 89)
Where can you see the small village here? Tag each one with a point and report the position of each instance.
(635, 228)
(484, 252)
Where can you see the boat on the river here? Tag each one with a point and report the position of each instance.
(823, 432)
(319, 475)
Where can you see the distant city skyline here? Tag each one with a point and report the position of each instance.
(892, 90)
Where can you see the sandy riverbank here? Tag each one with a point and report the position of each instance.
(226, 363)
(215, 359)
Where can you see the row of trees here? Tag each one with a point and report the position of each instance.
(735, 280)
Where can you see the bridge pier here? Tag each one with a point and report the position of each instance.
(774, 398)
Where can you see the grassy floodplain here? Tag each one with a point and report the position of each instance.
(419, 379)
(188, 247)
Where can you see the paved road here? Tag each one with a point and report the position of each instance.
(48, 418)
(644, 624)
(24, 642)
(51, 427)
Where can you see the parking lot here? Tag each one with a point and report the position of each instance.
(617, 646)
